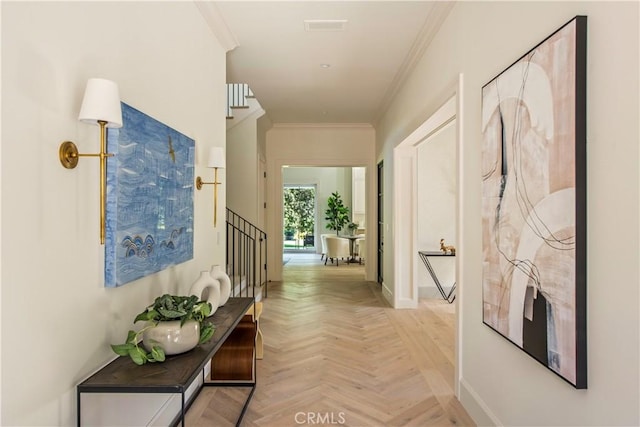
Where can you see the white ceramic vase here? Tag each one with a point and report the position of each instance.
(225, 283)
(172, 337)
(207, 289)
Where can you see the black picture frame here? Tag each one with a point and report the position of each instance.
(534, 201)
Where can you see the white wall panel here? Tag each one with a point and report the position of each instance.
(57, 318)
(500, 384)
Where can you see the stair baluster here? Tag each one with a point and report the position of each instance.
(246, 251)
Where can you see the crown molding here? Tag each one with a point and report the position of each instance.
(323, 125)
(437, 15)
(217, 24)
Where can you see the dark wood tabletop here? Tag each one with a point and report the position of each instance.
(177, 372)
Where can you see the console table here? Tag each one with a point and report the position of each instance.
(424, 255)
(177, 372)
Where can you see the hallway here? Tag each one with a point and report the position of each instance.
(335, 353)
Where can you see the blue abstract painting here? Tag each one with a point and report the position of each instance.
(149, 198)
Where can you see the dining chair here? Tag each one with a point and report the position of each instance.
(323, 239)
(337, 248)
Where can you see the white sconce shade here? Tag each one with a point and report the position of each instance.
(100, 106)
(101, 103)
(216, 161)
(216, 158)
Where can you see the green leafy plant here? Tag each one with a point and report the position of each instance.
(352, 226)
(165, 308)
(337, 214)
(299, 210)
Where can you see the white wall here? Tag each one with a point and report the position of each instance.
(500, 384)
(436, 206)
(358, 196)
(57, 318)
(242, 168)
(326, 180)
(263, 124)
(314, 145)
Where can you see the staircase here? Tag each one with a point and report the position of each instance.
(246, 244)
(246, 251)
(238, 95)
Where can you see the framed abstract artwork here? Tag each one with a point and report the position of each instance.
(534, 202)
(149, 198)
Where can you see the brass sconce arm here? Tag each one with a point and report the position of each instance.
(69, 157)
(215, 183)
(216, 160)
(101, 106)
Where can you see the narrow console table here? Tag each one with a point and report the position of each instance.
(177, 372)
(424, 255)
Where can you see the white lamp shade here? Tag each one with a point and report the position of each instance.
(216, 157)
(101, 102)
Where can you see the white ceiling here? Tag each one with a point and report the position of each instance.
(281, 61)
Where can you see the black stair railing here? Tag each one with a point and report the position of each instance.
(246, 256)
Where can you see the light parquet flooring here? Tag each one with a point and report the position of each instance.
(336, 354)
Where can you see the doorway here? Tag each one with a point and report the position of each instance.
(436, 211)
(405, 184)
(405, 245)
(299, 206)
(347, 179)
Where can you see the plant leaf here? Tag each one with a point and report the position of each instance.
(157, 353)
(147, 315)
(171, 314)
(168, 302)
(138, 355)
(131, 337)
(121, 349)
(206, 332)
(205, 309)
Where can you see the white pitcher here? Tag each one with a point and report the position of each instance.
(212, 287)
(225, 283)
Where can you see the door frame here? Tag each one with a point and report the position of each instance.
(275, 214)
(405, 245)
(380, 221)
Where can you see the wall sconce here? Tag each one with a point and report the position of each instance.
(100, 106)
(216, 160)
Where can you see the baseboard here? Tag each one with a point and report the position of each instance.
(406, 303)
(143, 409)
(402, 302)
(386, 293)
(239, 289)
(258, 293)
(476, 407)
(169, 414)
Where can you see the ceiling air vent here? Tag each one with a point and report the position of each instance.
(325, 24)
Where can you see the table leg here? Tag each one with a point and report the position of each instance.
(182, 410)
(445, 296)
